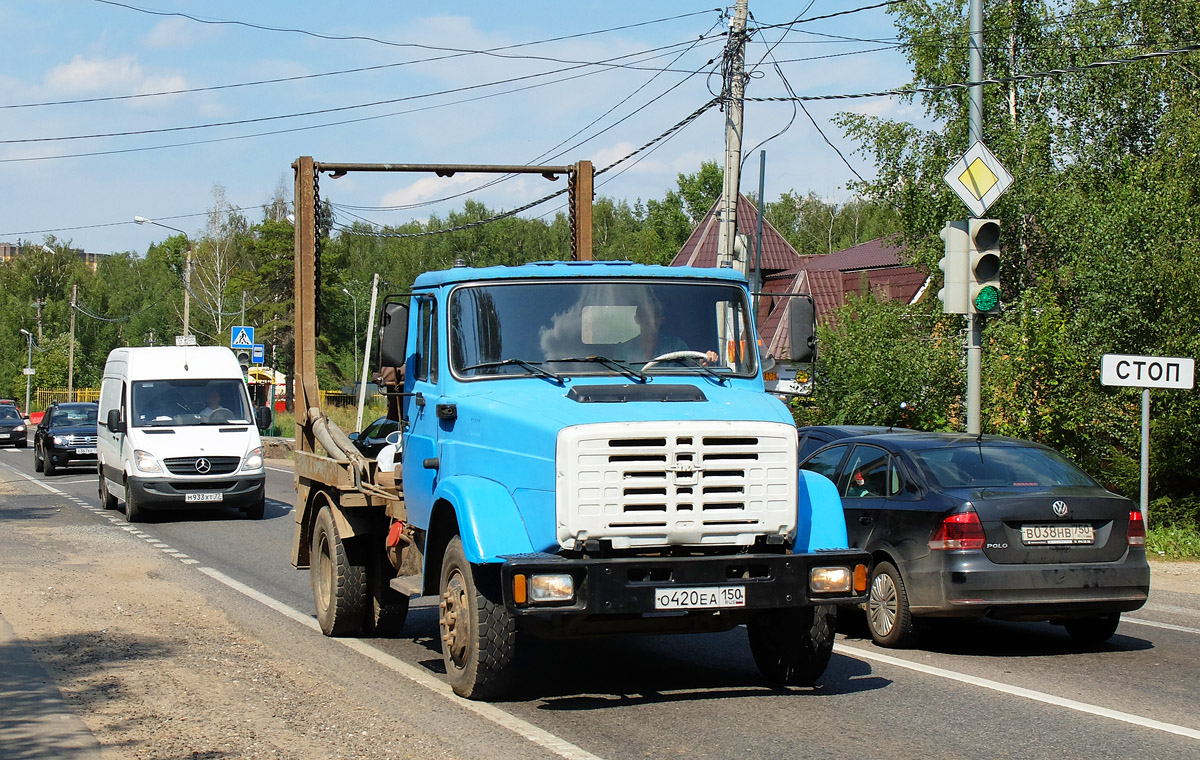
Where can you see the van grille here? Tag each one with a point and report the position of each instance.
(676, 483)
(217, 465)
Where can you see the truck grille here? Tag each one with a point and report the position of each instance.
(193, 465)
(676, 483)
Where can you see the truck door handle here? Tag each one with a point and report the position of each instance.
(420, 399)
(865, 520)
(431, 463)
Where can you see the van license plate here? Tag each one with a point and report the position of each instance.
(1061, 534)
(699, 598)
(204, 497)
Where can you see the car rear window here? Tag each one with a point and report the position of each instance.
(1000, 467)
(8, 413)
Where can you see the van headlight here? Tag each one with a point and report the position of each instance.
(145, 461)
(254, 460)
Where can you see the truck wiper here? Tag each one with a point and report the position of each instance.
(531, 366)
(721, 379)
(613, 364)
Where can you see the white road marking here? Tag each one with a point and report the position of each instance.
(526, 730)
(279, 469)
(1156, 624)
(1018, 691)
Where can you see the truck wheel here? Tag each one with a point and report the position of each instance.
(133, 511)
(107, 500)
(793, 646)
(479, 635)
(389, 608)
(888, 614)
(1093, 630)
(338, 581)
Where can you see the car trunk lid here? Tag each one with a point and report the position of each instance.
(1053, 526)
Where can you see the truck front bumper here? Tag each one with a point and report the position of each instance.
(640, 585)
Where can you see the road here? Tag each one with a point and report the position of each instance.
(992, 689)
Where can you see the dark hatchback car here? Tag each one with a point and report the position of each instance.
(12, 427)
(374, 436)
(971, 527)
(66, 436)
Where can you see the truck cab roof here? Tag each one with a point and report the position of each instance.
(562, 269)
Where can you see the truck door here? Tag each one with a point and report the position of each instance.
(420, 412)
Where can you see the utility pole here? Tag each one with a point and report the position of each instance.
(975, 135)
(71, 349)
(735, 89)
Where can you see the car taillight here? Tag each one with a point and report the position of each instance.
(1136, 536)
(958, 531)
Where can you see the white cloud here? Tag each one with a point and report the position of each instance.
(171, 33)
(430, 187)
(90, 75)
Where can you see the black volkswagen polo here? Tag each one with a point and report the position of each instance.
(985, 526)
(65, 436)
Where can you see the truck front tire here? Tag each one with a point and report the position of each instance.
(793, 646)
(338, 581)
(478, 633)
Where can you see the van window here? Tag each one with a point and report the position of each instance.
(189, 402)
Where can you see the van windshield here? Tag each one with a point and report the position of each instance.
(171, 403)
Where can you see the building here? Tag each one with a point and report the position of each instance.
(10, 252)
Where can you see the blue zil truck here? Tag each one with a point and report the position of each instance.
(587, 450)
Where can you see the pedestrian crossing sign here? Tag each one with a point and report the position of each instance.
(241, 336)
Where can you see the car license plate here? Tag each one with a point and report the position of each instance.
(1066, 533)
(85, 451)
(699, 598)
(204, 497)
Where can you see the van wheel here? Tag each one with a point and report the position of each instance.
(256, 510)
(479, 635)
(338, 579)
(107, 500)
(134, 512)
(793, 646)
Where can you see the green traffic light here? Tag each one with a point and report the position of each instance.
(987, 299)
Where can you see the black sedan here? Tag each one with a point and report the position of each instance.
(985, 526)
(374, 436)
(66, 436)
(12, 427)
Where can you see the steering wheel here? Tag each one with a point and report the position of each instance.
(699, 356)
(220, 414)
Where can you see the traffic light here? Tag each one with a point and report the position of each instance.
(954, 267)
(984, 272)
(243, 358)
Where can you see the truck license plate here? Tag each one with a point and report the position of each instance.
(1069, 534)
(203, 497)
(699, 598)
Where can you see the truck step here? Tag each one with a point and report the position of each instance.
(407, 584)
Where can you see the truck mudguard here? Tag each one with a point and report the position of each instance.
(489, 522)
(820, 522)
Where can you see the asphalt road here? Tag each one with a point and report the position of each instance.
(978, 690)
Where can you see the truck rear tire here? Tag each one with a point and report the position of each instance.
(339, 582)
(793, 646)
(389, 608)
(479, 635)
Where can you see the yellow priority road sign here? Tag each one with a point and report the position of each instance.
(978, 178)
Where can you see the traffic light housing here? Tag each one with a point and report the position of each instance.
(954, 263)
(243, 358)
(983, 275)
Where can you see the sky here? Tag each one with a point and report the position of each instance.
(151, 108)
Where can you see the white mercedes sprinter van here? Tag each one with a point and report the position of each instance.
(176, 430)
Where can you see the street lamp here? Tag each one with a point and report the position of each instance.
(28, 366)
(355, 300)
(187, 268)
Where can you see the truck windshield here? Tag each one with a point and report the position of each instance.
(189, 402)
(633, 327)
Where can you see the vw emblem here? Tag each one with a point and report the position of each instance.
(1060, 508)
(203, 466)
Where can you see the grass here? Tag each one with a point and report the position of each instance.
(344, 417)
(1174, 542)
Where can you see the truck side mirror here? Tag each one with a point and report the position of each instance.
(114, 422)
(802, 330)
(393, 335)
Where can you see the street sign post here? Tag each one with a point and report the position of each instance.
(1147, 372)
(241, 336)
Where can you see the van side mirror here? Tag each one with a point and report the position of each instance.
(393, 334)
(114, 423)
(802, 329)
(263, 417)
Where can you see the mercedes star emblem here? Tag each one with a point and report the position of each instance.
(203, 466)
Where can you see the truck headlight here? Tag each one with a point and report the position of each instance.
(145, 461)
(830, 580)
(556, 587)
(254, 460)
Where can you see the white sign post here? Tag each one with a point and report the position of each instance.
(1147, 372)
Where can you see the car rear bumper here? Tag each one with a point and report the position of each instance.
(172, 493)
(967, 584)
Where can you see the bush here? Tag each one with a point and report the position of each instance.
(1178, 542)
